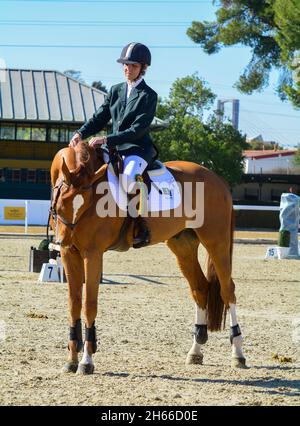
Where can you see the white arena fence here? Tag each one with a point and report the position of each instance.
(24, 212)
(35, 212)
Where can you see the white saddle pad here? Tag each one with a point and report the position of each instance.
(164, 195)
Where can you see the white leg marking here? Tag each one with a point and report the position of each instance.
(86, 358)
(195, 349)
(201, 316)
(201, 319)
(78, 201)
(233, 320)
(237, 341)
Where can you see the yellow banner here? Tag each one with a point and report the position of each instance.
(14, 213)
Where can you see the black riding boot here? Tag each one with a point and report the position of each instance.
(141, 233)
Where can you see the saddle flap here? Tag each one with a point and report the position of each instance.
(165, 193)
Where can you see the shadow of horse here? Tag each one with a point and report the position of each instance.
(265, 385)
(144, 278)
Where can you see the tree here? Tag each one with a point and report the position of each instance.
(223, 150)
(215, 145)
(100, 86)
(270, 28)
(287, 17)
(74, 74)
(267, 146)
(297, 157)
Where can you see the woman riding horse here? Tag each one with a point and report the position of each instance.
(84, 235)
(131, 106)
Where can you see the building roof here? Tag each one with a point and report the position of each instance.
(42, 95)
(260, 154)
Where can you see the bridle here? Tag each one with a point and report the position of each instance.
(52, 212)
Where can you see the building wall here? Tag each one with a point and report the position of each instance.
(27, 151)
(265, 192)
(262, 220)
(278, 164)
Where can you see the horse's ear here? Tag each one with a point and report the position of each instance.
(99, 173)
(66, 172)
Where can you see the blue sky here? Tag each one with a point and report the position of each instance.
(162, 26)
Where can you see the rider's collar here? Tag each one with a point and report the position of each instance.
(133, 84)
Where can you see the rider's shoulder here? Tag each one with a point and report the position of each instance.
(149, 90)
(117, 87)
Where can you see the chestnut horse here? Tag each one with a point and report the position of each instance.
(84, 236)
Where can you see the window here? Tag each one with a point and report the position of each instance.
(23, 132)
(38, 133)
(277, 192)
(7, 131)
(251, 194)
(16, 175)
(64, 134)
(61, 134)
(71, 133)
(31, 176)
(44, 176)
(54, 134)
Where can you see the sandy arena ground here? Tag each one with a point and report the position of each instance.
(144, 325)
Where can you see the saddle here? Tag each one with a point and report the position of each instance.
(117, 163)
(140, 227)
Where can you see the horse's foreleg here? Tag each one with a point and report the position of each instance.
(73, 265)
(93, 270)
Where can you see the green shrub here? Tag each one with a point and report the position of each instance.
(284, 238)
(44, 245)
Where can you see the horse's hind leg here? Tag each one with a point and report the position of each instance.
(185, 247)
(221, 258)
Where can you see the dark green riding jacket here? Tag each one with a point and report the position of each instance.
(131, 119)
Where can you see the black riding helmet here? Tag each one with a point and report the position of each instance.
(135, 53)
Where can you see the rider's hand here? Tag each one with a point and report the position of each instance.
(75, 140)
(97, 141)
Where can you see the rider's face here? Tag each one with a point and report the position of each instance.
(132, 71)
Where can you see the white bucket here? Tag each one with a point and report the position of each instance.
(283, 252)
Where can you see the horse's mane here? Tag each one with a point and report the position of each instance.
(86, 160)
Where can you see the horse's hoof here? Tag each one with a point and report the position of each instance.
(238, 363)
(194, 359)
(70, 367)
(85, 369)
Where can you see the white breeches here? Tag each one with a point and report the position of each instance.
(133, 165)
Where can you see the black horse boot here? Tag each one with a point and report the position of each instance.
(141, 233)
(76, 335)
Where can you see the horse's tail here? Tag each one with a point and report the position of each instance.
(215, 305)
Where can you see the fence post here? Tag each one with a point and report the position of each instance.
(26, 216)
